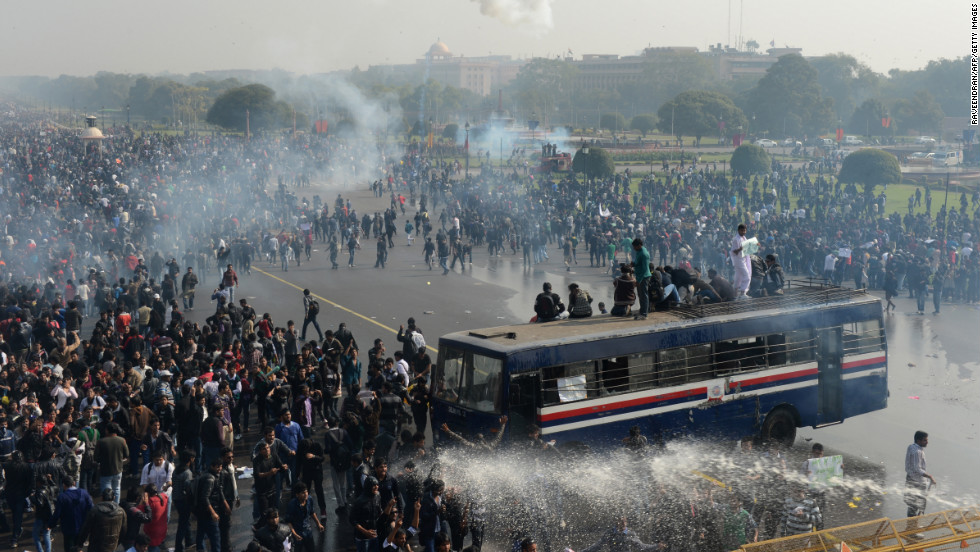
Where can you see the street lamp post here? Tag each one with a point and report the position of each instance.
(467, 148)
(585, 159)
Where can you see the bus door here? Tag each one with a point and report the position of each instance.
(523, 403)
(830, 379)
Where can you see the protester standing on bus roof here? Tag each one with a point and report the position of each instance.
(641, 265)
(741, 263)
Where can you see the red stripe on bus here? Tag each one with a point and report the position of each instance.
(622, 404)
(772, 378)
(865, 362)
(697, 391)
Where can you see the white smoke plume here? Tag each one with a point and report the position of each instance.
(535, 14)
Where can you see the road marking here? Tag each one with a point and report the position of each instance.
(336, 305)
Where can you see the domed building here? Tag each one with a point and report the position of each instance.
(439, 50)
(481, 75)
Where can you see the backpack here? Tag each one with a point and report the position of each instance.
(314, 308)
(189, 491)
(70, 463)
(545, 307)
(235, 314)
(44, 500)
(339, 453)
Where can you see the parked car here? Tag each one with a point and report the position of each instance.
(852, 141)
(920, 158)
(925, 141)
(827, 142)
(791, 142)
(765, 143)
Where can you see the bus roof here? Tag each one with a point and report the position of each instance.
(797, 297)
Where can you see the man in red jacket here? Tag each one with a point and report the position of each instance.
(230, 280)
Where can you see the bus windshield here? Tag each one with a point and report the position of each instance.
(469, 380)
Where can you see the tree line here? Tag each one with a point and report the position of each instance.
(676, 93)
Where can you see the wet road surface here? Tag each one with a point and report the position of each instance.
(934, 361)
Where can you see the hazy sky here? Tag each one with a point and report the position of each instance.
(52, 37)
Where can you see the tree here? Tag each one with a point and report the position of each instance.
(867, 119)
(542, 84)
(870, 167)
(750, 159)
(667, 73)
(644, 123)
(264, 112)
(942, 78)
(450, 131)
(612, 121)
(845, 80)
(752, 45)
(787, 100)
(922, 113)
(698, 112)
(595, 164)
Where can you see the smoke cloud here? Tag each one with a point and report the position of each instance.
(535, 14)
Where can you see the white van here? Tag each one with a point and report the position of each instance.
(852, 141)
(945, 158)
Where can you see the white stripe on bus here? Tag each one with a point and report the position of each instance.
(664, 409)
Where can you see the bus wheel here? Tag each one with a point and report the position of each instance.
(780, 425)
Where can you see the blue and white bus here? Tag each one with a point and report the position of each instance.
(767, 366)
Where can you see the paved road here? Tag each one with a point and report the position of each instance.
(933, 360)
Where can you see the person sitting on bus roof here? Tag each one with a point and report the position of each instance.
(758, 276)
(724, 288)
(669, 295)
(579, 302)
(703, 292)
(682, 279)
(772, 282)
(548, 305)
(624, 291)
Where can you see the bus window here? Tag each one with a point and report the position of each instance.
(672, 368)
(480, 389)
(449, 373)
(776, 349)
(740, 355)
(642, 372)
(862, 337)
(699, 365)
(573, 382)
(549, 384)
(615, 375)
(800, 346)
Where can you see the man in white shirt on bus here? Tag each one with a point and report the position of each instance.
(741, 262)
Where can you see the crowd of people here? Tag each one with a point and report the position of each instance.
(110, 390)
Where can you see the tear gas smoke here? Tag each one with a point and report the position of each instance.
(534, 14)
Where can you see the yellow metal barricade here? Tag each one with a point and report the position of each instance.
(956, 529)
